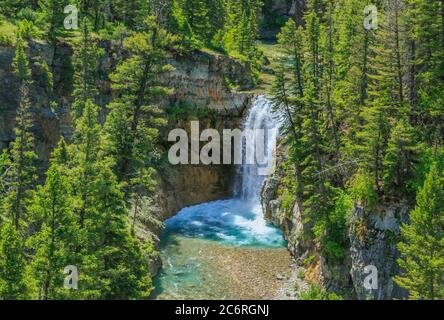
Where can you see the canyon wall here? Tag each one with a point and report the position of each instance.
(372, 236)
(199, 79)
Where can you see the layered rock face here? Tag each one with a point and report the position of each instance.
(186, 185)
(372, 237)
(290, 221)
(49, 123)
(202, 79)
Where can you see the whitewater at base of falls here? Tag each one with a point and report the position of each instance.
(225, 249)
(231, 222)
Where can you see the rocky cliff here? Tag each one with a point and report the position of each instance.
(276, 12)
(200, 79)
(372, 237)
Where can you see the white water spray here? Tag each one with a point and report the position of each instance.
(249, 181)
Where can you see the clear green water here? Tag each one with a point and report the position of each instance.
(195, 241)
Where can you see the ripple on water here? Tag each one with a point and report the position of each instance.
(221, 250)
(232, 222)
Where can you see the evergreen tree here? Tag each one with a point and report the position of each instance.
(13, 279)
(328, 44)
(86, 64)
(373, 143)
(21, 176)
(401, 159)
(241, 26)
(426, 22)
(196, 12)
(288, 99)
(119, 270)
(132, 124)
(422, 248)
(57, 239)
(216, 16)
(351, 55)
(54, 17)
(10, 8)
(20, 63)
(111, 259)
(187, 40)
(86, 152)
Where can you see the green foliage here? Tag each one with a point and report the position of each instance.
(186, 40)
(401, 159)
(196, 13)
(86, 64)
(362, 189)
(27, 29)
(188, 111)
(55, 244)
(21, 177)
(13, 279)
(4, 161)
(337, 238)
(132, 126)
(317, 293)
(53, 18)
(422, 248)
(20, 63)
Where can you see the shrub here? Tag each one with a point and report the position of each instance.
(362, 189)
(317, 293)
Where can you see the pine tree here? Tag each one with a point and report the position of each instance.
(329, 49)
(386, 86)
(53, 13)
(288, 94)
(20, 63)
(21, 176)
(318, 191)
(241, 26)
(111, 259)
(131, 13)
(119, 270)
(291, 41)
(93, 10)
(132, 125)
(373, 142)
(426, 21)
(10, 8)
(57, 239)
(13, 279)
(86, 152)
(401, 159)
(187, 40)
(196, 12)
(422, 248)
(216, 16)
(86, 64)
(352, 56)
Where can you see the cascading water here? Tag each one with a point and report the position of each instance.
(196, 233)
(259, 117)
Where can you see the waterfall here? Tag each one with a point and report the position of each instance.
(239, 221)
(249, 181)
